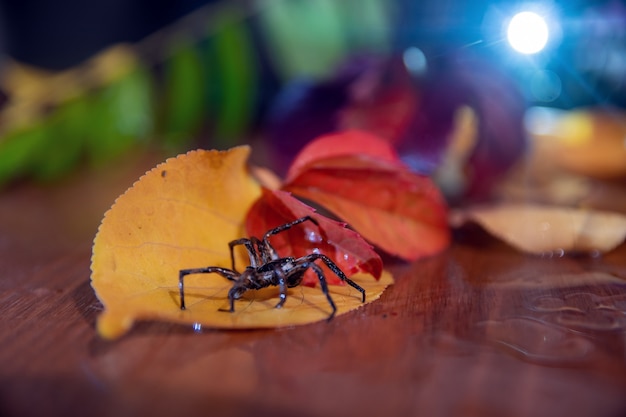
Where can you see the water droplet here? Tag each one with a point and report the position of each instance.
(313, 237)
(197, 327)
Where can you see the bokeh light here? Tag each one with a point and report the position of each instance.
(528, 32)
(415, 60)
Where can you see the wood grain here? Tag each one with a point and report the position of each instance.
(480, 330)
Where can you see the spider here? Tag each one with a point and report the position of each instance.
(267, 268)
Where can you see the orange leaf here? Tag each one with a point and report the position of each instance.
(401, 212)
(345, 247)
(347, 143)
(182, 214)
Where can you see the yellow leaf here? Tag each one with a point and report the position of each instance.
(182, 214)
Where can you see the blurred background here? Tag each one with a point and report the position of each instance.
(462, 89)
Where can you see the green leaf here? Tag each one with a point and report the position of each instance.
(65, 134)
(236, 79)
(306, 37)
(121, 116)
(185, 101)
(366, 24)
(18, 150)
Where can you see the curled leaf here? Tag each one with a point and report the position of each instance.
(400, 211)
(545, 229)
(345, 247)
(182, 214)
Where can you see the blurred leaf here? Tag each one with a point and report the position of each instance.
(65, 130)
(185, 99)
(587, 142)
(236, 78)
(366, 93)
(542, 229)
(384, 101)
(18, 151)
(419, 115)
(121, 116)
(306, 37)
(366, 24)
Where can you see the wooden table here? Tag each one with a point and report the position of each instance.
(480, 330)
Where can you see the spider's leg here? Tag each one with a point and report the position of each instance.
(252, 253)
(320, 276)
(289, 225)
(282, 285)
(259, 251)
(233, 294)
(282, 228)
(243, 283)
(333, 267)
(226, 273)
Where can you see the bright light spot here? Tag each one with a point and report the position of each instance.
(528, 32)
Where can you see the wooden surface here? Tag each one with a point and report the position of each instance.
(480, 330)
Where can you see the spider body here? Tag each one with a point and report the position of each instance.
(267, 268)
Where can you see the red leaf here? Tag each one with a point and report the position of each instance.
(345, 247)
(399, 211)
(346, 143)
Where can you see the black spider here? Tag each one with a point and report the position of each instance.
(267, 268)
